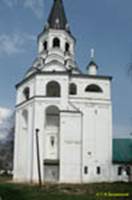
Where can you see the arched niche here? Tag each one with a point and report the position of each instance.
(52, 127)
(52, 117)
(25, 121)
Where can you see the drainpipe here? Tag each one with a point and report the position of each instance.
(38, 157)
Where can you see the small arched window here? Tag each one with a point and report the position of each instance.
(85, 170)
(56, 42)
(26, 93)
(119, 170)
(72, 89)
(53, 89)
(98, 170)
(93, 88)
(67, 47)
(45, 44)
(52, 141)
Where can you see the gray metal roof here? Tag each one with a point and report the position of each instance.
(92, 62)
(57, 18)
(62, 73)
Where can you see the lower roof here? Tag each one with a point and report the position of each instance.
(81, 75)
(122, 151)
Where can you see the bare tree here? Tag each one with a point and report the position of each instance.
(6, 147)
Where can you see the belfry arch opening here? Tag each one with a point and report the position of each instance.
(45, 45)
(53, 89)
(93, 88)
(56, 42)
(67, 47)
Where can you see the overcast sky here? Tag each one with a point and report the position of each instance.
(105, 25)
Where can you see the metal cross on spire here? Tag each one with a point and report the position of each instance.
(92, 53)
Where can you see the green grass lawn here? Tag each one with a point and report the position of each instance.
(11, 191)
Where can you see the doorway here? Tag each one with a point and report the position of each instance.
(51, 173)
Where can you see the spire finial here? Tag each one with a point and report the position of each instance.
(92, 53)
(57, 18)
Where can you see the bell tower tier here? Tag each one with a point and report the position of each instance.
(56, 44)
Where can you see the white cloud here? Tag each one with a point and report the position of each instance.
(4, 113)
(37, 6)
(14, 43)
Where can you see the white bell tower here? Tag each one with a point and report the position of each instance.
(63, 112)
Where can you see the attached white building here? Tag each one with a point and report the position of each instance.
(72, 110)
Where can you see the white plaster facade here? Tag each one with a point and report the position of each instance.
(75, 137)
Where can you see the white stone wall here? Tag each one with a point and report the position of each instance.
(97, 141)
(70, 147)
(85, 135)
(23, 145)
